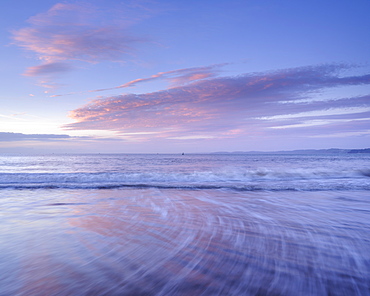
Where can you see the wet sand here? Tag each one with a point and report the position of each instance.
(184, 242)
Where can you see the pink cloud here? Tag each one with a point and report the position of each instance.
(226, 106)
(174, 77)
(74, 32)
(47, 69)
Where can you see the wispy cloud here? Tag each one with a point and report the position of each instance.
(232, 106)
(75, 32)
(8, 137)
(47, 69)
(174, 78)
(16, 137)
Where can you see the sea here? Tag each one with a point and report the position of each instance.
(193, 224)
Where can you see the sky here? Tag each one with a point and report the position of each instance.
(171, 76)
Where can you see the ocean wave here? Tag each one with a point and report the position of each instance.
(225, 175)
(245, 180)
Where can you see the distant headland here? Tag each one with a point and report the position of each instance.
(302, 151)
(366, 150)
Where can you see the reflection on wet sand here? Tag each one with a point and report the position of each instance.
(189, 242)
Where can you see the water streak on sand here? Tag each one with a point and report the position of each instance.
(155, 242)
(185, 225)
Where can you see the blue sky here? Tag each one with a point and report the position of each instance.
(184, 76)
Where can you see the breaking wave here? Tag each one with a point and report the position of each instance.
(248, 180)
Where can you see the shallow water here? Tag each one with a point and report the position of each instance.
(236, 172)
(155, 241)
(185, 225)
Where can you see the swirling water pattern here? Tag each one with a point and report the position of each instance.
(189, 240)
